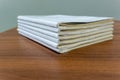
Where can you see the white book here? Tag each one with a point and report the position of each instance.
(87, 44)
(87, 34)
(56, 40)
(56, 20)
(65, 43)
(63, 37)
(84, 31)
(68, 41)
(45, 27)
(67, 26)
(42, 40)
(82, 39)
(46, 32)
(35, 38)
(72, 45)
(63, 33)
(64, 49)
(70, 32)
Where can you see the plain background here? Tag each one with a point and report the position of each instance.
(10, 9)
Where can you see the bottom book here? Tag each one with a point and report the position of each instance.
(64, 49)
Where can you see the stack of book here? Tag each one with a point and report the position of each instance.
(63, 33)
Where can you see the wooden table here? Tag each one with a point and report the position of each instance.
(23, 59)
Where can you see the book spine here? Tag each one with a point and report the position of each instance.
(32, 38)
(39, 21)
(45, 27)
(38, 39)
(55, 40)
(49, 33)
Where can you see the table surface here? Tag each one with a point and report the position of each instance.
(24, 59)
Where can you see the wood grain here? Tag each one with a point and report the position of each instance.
(23, 59)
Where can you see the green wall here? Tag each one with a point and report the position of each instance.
(10, 9)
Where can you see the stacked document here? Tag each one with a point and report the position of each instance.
(63, 33)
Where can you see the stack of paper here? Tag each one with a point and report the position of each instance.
(63, 33)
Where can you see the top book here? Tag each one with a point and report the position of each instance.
(55, 20)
